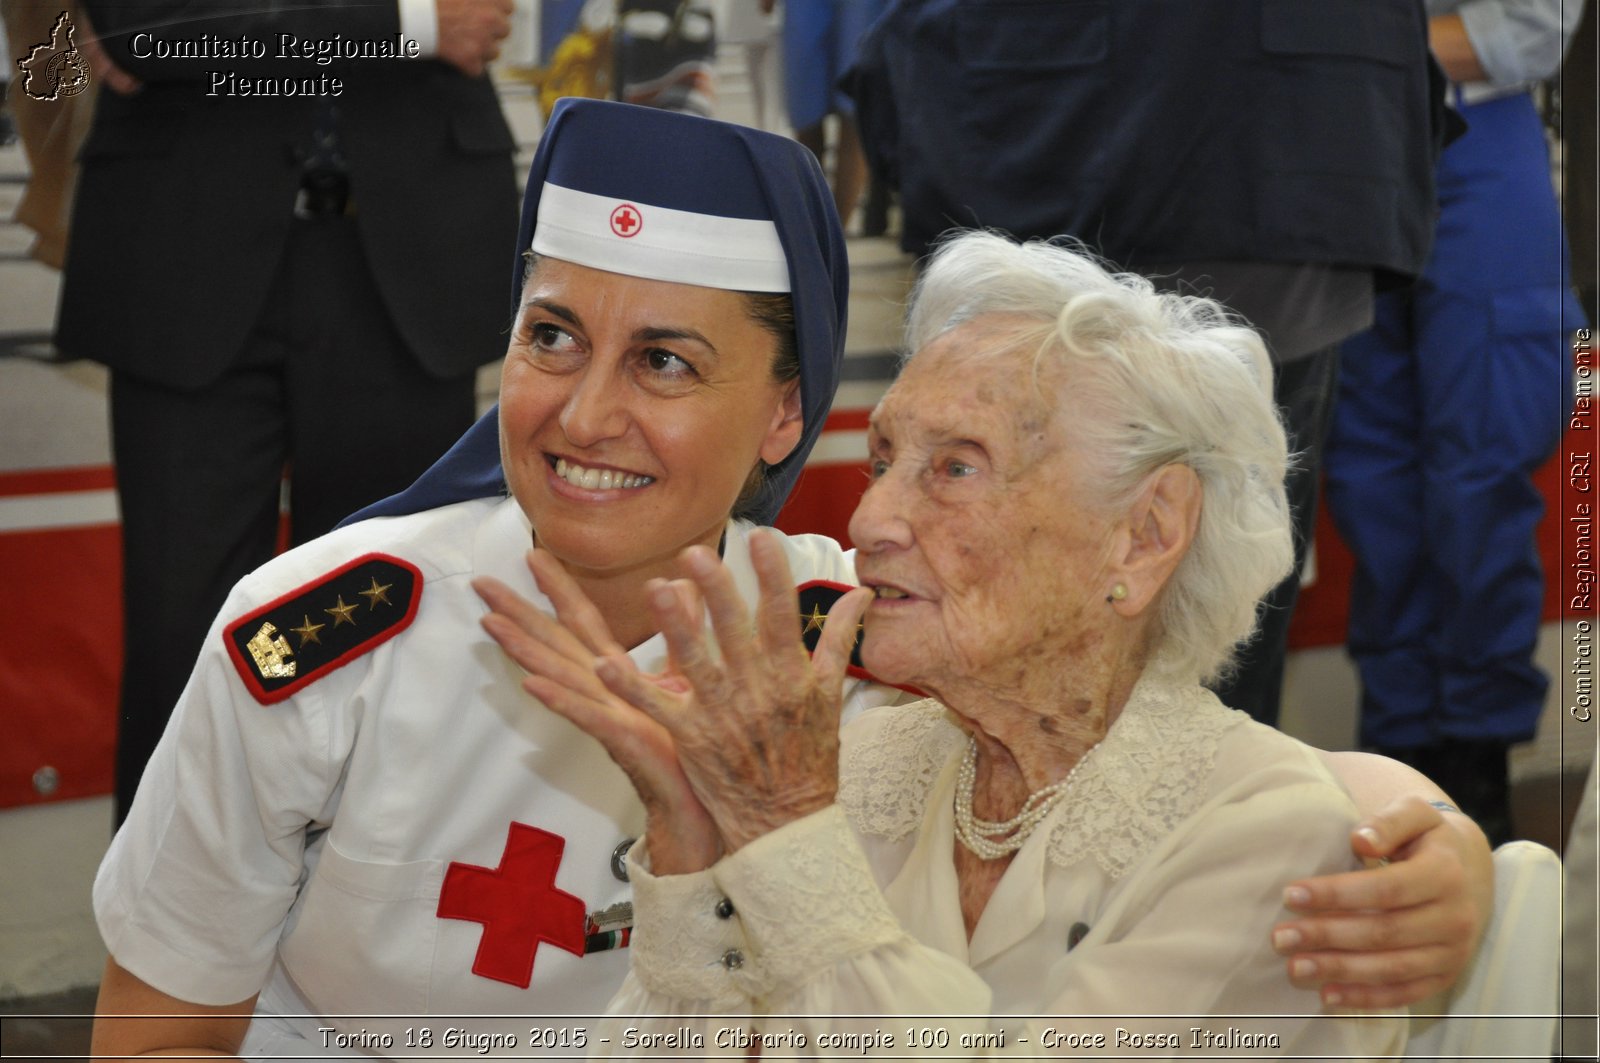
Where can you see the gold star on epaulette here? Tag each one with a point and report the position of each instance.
(307, 631)
(814, 619)
(341, 612)
(376, 594)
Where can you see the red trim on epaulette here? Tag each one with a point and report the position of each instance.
(831, 584)
(857, 670)
(271, 697)
(861, 673)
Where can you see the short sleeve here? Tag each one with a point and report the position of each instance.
(194, 890)
(1518, 41)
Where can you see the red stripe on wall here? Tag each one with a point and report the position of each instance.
(60, 655)
(57, 481)
(847, 421)
(1323, 611)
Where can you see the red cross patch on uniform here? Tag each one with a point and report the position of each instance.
(518, 904)
(324, 625)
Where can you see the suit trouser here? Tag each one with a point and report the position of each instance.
(1446, 407)
(325, 386)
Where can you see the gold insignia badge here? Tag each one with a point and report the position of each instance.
(271, 654)
(274, 666)
(814, 619)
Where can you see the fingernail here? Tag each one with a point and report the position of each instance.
(1285, 938)
(1370, 834)
(1302, 968)
(662, 596)
(1332, 997)
(1296, 896)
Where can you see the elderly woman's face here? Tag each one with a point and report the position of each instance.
(974, 532)
(632, 411)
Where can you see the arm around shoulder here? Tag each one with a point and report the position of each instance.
(1396, 933)
(1402, 812)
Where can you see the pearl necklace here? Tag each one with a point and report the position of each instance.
(989, 840)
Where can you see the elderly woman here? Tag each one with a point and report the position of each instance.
(1077, 499)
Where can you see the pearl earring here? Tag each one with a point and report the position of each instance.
(1119, 591)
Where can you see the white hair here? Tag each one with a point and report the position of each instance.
(1155, 379)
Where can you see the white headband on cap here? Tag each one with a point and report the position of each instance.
(658, 243)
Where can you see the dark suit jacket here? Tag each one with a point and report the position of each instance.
(1160, 130)
(185, 200)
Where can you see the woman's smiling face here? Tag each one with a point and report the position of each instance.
(632, 412)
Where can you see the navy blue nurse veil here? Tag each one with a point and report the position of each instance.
(684, 163)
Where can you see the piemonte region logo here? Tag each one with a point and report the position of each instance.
(55, 69)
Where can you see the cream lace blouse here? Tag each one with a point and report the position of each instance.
(1136, 919)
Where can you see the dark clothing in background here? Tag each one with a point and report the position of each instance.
(1248, 130)
(1275, 154)
(342, 342)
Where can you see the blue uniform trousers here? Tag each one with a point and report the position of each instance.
(1446, 406)
(819, 44)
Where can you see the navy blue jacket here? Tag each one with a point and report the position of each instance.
(185, 201)
(1161, 131)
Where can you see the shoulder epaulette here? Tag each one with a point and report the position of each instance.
(816, 598)
(323, 625)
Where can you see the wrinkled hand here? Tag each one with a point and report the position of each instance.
(757, 732)
(470, 32)
(559, 656)
(1399, 933)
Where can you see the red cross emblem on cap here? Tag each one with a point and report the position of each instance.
(625, 221)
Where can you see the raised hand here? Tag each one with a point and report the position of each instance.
(757, 730)
(559, 654)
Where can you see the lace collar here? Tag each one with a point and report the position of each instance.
(1146, 776)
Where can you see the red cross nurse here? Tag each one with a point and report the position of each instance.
(355, 810)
